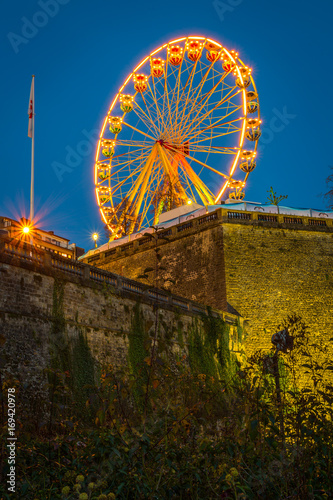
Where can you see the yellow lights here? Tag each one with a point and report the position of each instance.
(244, 70)
(253, 122)
(26, 229)
(108, 147)
(140, 82)
(115, 124)
(194, 49)
(235, 184)
(175, 54)
(253, 132)
(95, 238)
(247, 154)
(162, 125)
(212, 46)
(157, 67)
(126, 103)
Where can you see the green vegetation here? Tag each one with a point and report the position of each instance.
(273, 198)
(137, 353)
(201, 428)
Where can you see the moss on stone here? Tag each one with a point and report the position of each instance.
(209, 351)
(137, 353)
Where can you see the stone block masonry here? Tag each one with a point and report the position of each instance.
(265, 267)
(191, 256)
(274, 271)
(40, 296)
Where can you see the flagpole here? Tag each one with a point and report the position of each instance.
(32, 154)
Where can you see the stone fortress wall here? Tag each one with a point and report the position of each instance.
(40, 294)
(262, 265)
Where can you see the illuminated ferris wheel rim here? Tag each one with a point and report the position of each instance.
(238, 65)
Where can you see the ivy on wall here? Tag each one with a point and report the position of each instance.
(82, 371)
(209, 351)
(137, 353)
(59, 346)
(70, 356)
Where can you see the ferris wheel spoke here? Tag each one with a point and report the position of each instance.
(189, 185)
(166, 92)
(159, 114)
(198, 91)
(191, 130)
(201, 189)
(183, 175)
(217, 125)
(117, 165)
(211, 150)
(135, 193)
(128, 163)
(188, 93)
(174, 166)
(164, 160)
(202, 118)
(175, 94)
(171, 105)
(189, 79)
(151, 118)
(142, 175)
(139, 199)
(140, 150)
(140, 131)
(224, 187)
(133, 143)
(206, 98)
(150, 124)
(145, 120)
(177, 86)
(177, 90)
(207, 166)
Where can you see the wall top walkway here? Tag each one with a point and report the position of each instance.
(27, 256)
(228, 211)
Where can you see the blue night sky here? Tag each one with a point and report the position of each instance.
(82, 53)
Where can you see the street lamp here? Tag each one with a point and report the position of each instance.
(95, 238)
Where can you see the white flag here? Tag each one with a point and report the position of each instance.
(31, 109)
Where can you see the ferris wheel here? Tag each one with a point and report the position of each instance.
(184, 127)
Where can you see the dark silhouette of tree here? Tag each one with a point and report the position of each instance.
(123, 219)
(329, 195)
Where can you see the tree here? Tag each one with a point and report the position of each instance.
(329, 195)
(273, 199)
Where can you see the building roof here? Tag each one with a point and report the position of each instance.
(46, 233)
